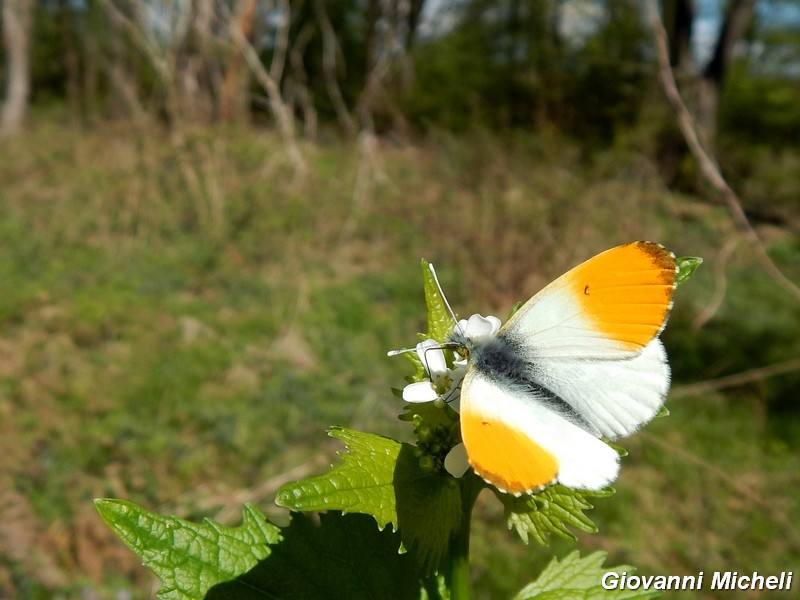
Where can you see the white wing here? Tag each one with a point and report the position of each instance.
(614, 396)
(518, 444)
(591, 337)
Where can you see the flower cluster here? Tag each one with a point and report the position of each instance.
(444, 381)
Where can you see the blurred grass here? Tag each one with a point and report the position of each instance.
(179, 325)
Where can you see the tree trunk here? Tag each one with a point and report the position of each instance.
(234, 97)
(734, 28)
(414, 16)
(17, 41)
(706, 84)
(678, 21)
(71, 59)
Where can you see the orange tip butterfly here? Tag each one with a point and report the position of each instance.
(578, 362)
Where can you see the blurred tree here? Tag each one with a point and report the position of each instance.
(17, 42)
(610, 73)
(577, 66)
(533, 63)
(345, 59)
(760, 104)
(499, 65)
(233, 101)
(707, 80)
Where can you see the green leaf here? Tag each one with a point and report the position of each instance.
(190, 558)
(550, 511)
(576, 578)
(687, 265)
(363, 483)
(428, 509)
(384, 478)
(440, 321)
(336, 557)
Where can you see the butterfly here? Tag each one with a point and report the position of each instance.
(579, 362)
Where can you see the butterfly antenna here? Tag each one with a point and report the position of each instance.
(449, 310)
(401, 351)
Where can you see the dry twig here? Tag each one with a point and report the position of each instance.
(720, 283)
(750, 376)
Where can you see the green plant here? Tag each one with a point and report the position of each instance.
(425, 553)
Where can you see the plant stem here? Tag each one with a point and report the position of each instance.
(457, 576)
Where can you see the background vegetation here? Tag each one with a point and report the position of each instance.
(212, 215)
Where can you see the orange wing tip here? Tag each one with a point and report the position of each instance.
(626, 292)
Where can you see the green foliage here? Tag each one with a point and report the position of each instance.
(298, 562)
(770, 328)
(576, 578)
(188, 558)
(687, 265)
(550, 511)
(362, 483)
(758, 102)
(385, 479)
(528, 64)
(507, 66)
(353, 53)
(341, 557)
(767, 178)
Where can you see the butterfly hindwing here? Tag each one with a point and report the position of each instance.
(519, 445)
(614, 397)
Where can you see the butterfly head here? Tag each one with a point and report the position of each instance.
(469, 334)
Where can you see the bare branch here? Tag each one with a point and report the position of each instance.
(143, 38)
(283, 115)
(720, 282)
(281, 42)
(750, 376)
(708, 165)
(300, 93)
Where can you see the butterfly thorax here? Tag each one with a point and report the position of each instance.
(500, 358)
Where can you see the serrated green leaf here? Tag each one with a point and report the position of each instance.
(190, 558)
(687, 265)
(383, 478)
(440, 322)
(428, 510)
(576, 578)
(550, 511)
(337, 557)
(362, 483)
